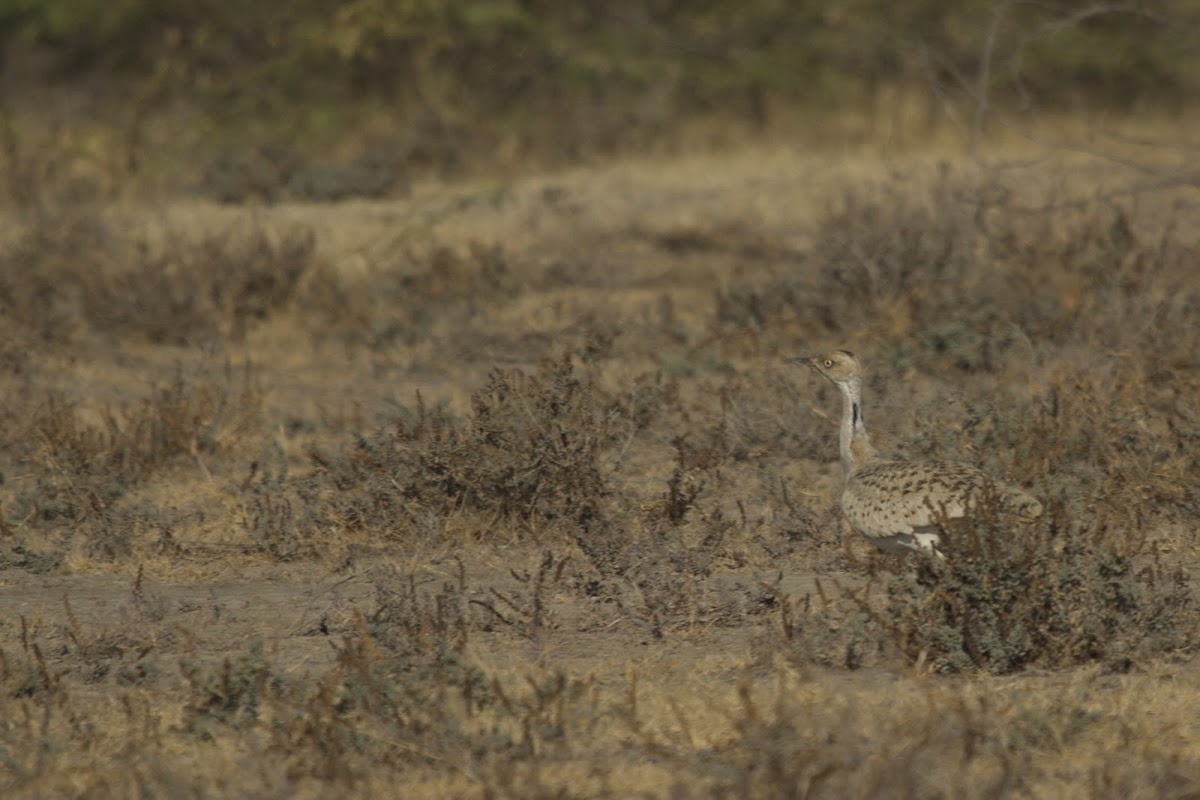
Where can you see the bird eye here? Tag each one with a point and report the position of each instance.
(828, 363)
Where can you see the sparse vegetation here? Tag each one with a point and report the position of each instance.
(524, 502)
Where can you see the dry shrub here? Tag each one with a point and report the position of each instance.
(1098, 276)
(411, 615)
(83, 272)
(60, 256)
(787, 745)
(30, 675)
(873, 247)
(401, 691)
(839, 737)
(17, 344)
(418, 704)
(760, 414)
(830, 630)
(273, 513)
(397, 702)
(1054, 593)
(386, 710)
(38, 711)
(406, 673)
(217, 286)
(660, 585)
(534, 451)
(190, 416)
(540, 440)
(124, 653)
(881, 242)
(406, 297)
(1128, 467)
(230, 695)
(272, 174)
(530, 449)
(640, 405)
(959, 275)
(77, 472)
(655, 560)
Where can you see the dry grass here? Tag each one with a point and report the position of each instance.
(507, 492)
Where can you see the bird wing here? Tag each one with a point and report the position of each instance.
(887, 498)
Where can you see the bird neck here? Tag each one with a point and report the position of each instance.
(853, 441)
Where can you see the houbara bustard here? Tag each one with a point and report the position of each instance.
(893, 503)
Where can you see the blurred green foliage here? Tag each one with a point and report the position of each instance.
(511, 62)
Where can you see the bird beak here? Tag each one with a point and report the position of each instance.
(801, 361)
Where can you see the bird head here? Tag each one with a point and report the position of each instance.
(839, 366)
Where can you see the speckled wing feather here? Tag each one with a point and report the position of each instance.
(890, 498)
